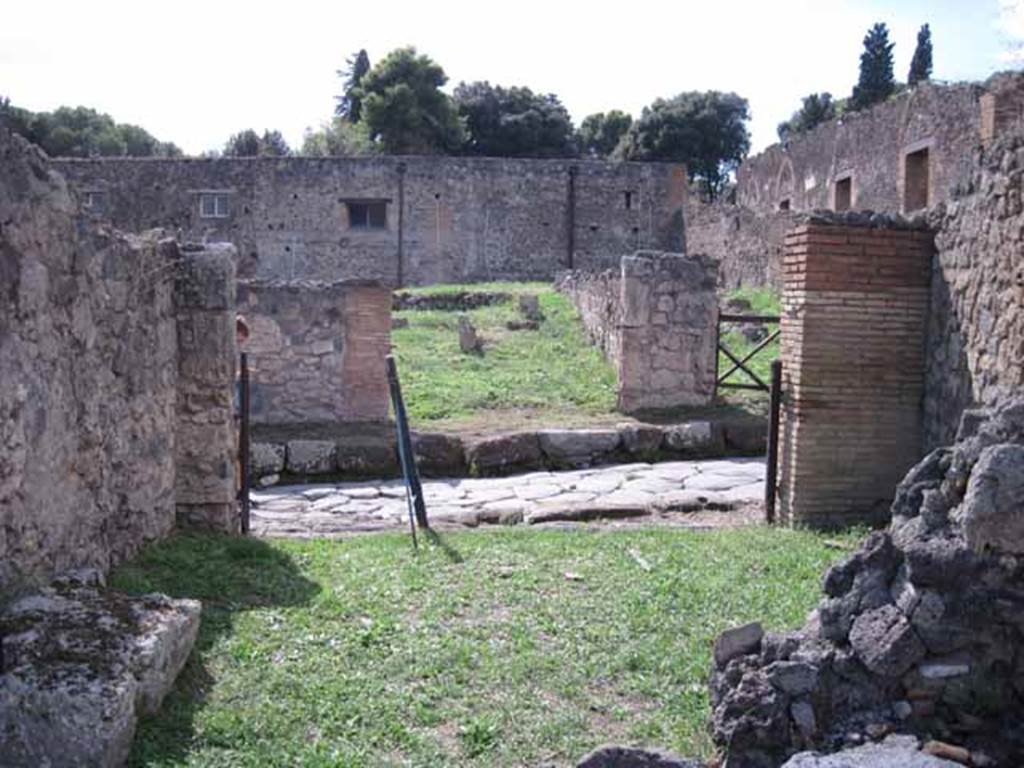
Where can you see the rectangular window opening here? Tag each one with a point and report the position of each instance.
(214, 206)
(844, 194)
(367, 215)
(94, 202)
(784, 205)
(916, 181)
(629, 200)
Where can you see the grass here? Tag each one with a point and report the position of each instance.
(480, 652)
(552, 373)
(763, 301)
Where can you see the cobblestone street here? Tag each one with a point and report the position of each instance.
(678, 492)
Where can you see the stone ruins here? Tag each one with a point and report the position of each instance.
(902, 332)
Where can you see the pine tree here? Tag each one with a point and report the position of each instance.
(876, 81)
(921, 64)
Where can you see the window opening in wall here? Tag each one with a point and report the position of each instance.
(915, 180)
(367, 215)
(94, 202)
(213, 205)
(629, 200)
(784, 205)
(844, 194)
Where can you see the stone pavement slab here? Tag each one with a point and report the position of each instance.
(670, 492)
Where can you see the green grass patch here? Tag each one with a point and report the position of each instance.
(480, 652)
(553, 371)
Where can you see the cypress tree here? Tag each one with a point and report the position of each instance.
(876, 81)
(921, 64)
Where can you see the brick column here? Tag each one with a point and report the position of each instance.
(853, 336)
(205, 438)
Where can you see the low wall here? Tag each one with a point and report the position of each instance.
(90, 405)
(317, 350)
(854, 310)
(655, 321)
(976, 329)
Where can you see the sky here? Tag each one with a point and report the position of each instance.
(196, 72)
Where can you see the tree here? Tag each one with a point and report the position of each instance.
(350, 105)
(707, 131)
(921, 63)
(82, 132)
(404, 109)
(817, 108)
(335, 138)
(248, 143)
(876, 81)
(601, 132)
(513, 122)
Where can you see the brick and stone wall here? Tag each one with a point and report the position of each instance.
(855, 303)
(316, 350)
(655, 321)
(446, 219)
(976, 328)
(89, 376)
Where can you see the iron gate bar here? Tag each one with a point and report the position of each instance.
(751, 353)
(727, 318)
(771, 470)
(750, 373)
(243, 441)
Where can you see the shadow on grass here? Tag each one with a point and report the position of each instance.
(229, 575)
(438, 541)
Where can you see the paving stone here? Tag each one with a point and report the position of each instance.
(600, 483)
(537, 491)
(360, 493)
(569, 497)
(710, 482)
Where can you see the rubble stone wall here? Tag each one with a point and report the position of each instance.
(446, 219)
(854, 313)
(89, 376)
(976, 333)
(655, 321)
(316, 350)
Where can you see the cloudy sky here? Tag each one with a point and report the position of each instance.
(194, 72)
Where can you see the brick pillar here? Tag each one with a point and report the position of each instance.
(853, 337)
(205, 438)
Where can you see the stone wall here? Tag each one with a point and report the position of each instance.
(746, 244)
(88, 380)
(854, 311)
(655, 321)
(870, 148)
(444, 219)
(976, 329)
(317, 350)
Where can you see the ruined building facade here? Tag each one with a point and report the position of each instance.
(396, 220)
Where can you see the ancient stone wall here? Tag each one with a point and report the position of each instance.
(316, 350)
(854, 313)
(397, 220)
(88, 380)
(746, 244)
(976, 328)
(655, 321)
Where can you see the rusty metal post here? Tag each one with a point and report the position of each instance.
(243, 440)
(771, 470)
(414, 490)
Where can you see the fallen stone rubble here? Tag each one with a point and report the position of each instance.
(81, 664)
(921, 629)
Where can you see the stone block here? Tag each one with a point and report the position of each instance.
(439, 454)
(266, 459)
(577, 447)
(311, 457)
(992, 513)
(737, 641)
(504, 454)
(370, 455)
(695, 439)
(885, 642)
(641, 440)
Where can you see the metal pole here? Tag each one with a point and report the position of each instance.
(571, 255)
(243, 439)
(771, 471)
(414, 489)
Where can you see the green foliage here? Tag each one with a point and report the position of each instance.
(876, 81)
(817, 108)
(706, 130)
(359, 652)
(762, 301)
(921, 63)
(513, 122)
(404, 108)
(248, 143)
(601, 132)
(350, 103)
(82, 132)
(337, 137)
(553, 372)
